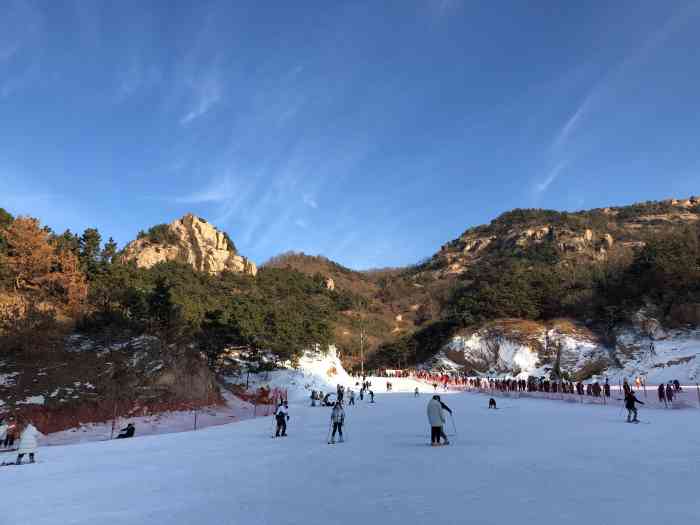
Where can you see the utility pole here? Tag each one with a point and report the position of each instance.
(362, 348)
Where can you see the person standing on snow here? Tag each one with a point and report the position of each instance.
(28, 443)
(662, 395)
(669, 394)
(352, 398)
(416, 393)
(371, 396)
(337, 420)
(282, 416)
(630, 401)
(437, 421)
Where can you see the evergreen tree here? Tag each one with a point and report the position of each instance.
(109, 252)
(89, 251)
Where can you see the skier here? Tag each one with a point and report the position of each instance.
(337, 420)
(127, 432)
(282, 416)
(352, 398)
(28, 443)
(626, 387)
(416, 393)
(371, 396)
(437, 421)
(606, 388)
(313, 398)
(362, 393)
(662, 395)
(630, 401)
(669, 394)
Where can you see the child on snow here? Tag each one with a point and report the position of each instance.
(337, 419)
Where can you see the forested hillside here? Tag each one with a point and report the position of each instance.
(63, 293)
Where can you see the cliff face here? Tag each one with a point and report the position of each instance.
(189, 240)
(588, 235)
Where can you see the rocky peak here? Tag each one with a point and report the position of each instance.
(190, 240)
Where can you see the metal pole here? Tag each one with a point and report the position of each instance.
(698, 387)
(362, 349)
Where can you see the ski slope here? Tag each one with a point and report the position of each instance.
(531, 461)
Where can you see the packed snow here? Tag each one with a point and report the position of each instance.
(528, 461)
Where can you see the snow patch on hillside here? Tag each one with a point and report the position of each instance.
(316, 370)
(674, 355)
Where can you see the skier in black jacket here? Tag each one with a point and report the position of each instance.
(281, 417)
(630, 401)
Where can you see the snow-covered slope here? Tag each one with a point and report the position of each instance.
(524, 348)
(384, 474)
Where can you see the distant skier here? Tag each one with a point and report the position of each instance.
(606, 388)
(416, 393)
(630, 401)
(662, 395)
(28, 443)
(371, 396)
(127, 432)
(337, 420)
(362, 394)
(669, 394)
(282, 416)
(352, 398)
(313, 398)
(437, 421)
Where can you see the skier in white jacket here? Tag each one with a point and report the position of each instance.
(28, 443)
(437, 421)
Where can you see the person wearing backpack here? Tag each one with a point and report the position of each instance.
(282, 416)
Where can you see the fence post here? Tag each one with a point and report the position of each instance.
(698, 387)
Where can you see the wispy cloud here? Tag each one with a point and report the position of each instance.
(552, 176)
(560, 151)
(206, 93)
(310, 201)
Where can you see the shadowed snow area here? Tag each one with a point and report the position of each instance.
(529, 461)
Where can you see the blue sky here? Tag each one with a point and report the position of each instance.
(369, 132)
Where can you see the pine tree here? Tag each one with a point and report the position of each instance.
(109, 252)
(89, 251)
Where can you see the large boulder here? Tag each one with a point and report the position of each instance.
(189, 240)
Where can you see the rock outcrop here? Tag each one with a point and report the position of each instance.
(190, 240)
